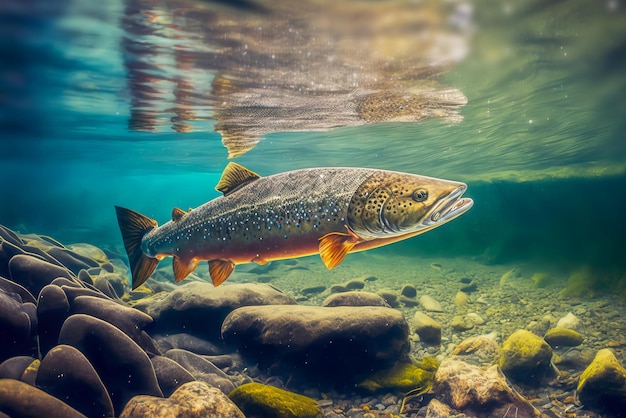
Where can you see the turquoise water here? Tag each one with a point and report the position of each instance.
(116, 103)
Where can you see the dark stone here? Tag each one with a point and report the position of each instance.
(31, 310)
(355, 298)
(30, 373)
(466, 280)
(53, 309)
(33, 273)
(85, 277)
(409, 291)
(355, 284)
(65, 373)
(111, 285)
(14, 367)
(63, 281)
(15, 328)
(123, 366)
(21, 400)
(66, 258)
(470, 287)
(129, 320)
(202, 369)
(7, 235)
(332, 345)
(187, 342)
(170, 374)
(390, 297)
(8, 286)
(313, 290)
(108, 267)
(72, 292)
(199, 308)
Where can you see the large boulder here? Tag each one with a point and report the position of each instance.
(339, 343)
(602, 386)
(477, 392)
(21, 400)
(199, 308)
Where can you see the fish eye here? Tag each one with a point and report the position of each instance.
(420, 195)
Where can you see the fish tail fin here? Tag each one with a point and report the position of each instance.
(134, 226)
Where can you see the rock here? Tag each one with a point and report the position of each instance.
(130, 321)
(602, 386)
(199, 308)
(202, 369)
(470, 287)
(510, 276)
(478, 392)
(409, 291)
(355, 284)
(33, 273)
(525, 357)
(390, 297)
(460, 299)
(21, 400)
(258, 400)
(402, 378)
(574, 359)
(15, 328)
(436, 409)
(539, 327)
(541, 279)
(340, 343)
(53, 309)
(15, 367)
(474, 318)
(479, 350)
(65, 373)
(461, 323)
(187, 342)
(430, 304)
(30, 373)
(427, 328)
(563, 337)
(191, 400)
(170, 374)
(569, 321)
(354, 298)
(123, 366)
(72, 261)
(313, 290)
(409, 302)
(338, 288)
(7, 286)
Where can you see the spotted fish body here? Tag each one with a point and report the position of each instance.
(330, 211)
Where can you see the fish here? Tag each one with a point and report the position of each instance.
(330, 211)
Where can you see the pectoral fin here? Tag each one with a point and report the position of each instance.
(335, 246)
(219, 270)
(182, 268)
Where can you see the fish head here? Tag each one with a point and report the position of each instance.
(390, 204)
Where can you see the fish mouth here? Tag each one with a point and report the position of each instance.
(451, 207)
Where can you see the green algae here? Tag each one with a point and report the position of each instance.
(257, 401)
(403, 377)
(563, 337)
(525, 357)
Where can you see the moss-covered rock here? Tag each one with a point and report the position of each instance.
(581, 283)
(602, 386)
(541, 279)
(403, 377)
(525, 357)
(257, 401)
(563, 337)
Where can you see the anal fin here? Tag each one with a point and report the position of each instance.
(182, 268)
(219, 270)
(335, 246)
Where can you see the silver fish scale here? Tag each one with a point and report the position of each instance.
(262, 214)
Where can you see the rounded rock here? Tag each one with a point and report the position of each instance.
(525, 357)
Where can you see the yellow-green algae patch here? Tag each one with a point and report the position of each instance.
(525, 356)
(258, 401)
(403, 377)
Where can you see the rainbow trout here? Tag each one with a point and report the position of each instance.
(330, 211)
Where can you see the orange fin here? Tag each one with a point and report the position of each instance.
(134, 226)
(219, 270)
(182, 269)
(335, 246)
(234, 177)
(177, 214)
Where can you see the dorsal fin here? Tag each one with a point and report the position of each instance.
(177, 214)
(235, 176)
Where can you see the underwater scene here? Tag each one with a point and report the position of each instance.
(352, 208)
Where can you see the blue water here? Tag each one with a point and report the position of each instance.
(111, 103)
